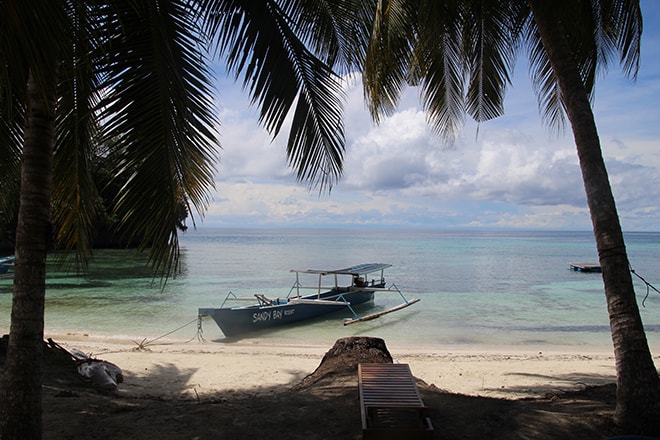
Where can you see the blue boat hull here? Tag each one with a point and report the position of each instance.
(6, 264)
(239, 320)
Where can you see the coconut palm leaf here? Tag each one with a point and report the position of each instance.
(597, 32)
(388, 55)
(158, 110)
(27, 42)
(329, 30)
(489, 39)
(31, 39)
(441, 68)
(11, 121)
(12, 115)
(258, 42)
(544, 83)
(627, 18)
(618, 33)
(74, 192)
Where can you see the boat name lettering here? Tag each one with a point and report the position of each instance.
(261, 316)
(270, 315)
(289, 312)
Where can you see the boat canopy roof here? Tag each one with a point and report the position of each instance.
(353, 270)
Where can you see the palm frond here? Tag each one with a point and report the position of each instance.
(74, 192)
(624, 20)
(159, 112)
(388, 56)
(12, 120)
(597, 32)
(14, 66)
(439, 58)
(258, 42)
(11, 138)
(337, 32)
(589, 42)
(29, 37)
(32, 35)
(544, 81)
(489, 40)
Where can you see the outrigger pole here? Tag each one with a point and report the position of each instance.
(371, 316)
(349, 321)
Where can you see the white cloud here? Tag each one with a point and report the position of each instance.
(515, 173)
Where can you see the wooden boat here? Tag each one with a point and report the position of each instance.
(585, 267)
(6, 263)
(359, 288)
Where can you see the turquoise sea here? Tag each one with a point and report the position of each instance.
(503, 288)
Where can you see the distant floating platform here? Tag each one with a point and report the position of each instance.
(585, 267)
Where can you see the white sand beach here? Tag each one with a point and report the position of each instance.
(177, 369)
(175, 389)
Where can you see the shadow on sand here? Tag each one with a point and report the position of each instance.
(327, 408)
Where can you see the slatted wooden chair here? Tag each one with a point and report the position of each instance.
(390, 404)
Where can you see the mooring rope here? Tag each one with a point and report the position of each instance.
(649, 286)
(199, 335)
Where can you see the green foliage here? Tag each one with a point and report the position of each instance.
(134, 72)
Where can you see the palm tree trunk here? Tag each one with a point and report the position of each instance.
(638, 385)
(20, 391)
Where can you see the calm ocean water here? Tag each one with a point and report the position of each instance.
(476, 288)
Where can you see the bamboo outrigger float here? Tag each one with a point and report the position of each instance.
(298, 306)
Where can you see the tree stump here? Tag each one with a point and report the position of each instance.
(344, 357)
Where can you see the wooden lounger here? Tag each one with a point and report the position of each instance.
(390, 403)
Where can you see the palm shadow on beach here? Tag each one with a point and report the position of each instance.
(555, 383)
(325, 408)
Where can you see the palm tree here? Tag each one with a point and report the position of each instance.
(638, 385)
(461, 53)
(34, 103)
(78, 73)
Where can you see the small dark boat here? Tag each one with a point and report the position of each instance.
(6, 263)
(296, 306)
(585, 267)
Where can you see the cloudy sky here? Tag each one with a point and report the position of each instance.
(516, 173)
